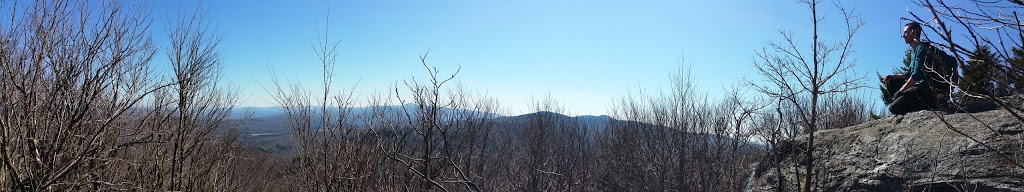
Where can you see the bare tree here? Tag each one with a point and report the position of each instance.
(435, 140)
(331, 152)
(72, 74)
(794, 75)
(200, 104)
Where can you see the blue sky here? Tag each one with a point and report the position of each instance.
(584, 54)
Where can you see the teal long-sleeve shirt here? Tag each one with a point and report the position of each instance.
(917, 59)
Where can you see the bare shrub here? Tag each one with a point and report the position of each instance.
(676, 140)
(440, 138)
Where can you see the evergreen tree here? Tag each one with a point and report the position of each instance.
(978, 75)
(1015, 71)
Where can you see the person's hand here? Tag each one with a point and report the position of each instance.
(897, 95)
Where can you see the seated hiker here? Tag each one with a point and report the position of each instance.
(912, 90)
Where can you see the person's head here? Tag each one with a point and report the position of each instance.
(912, 32)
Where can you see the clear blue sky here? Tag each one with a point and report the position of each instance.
(585, 54)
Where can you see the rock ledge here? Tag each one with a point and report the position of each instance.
(915, 152)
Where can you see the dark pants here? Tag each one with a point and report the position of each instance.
(915, 98)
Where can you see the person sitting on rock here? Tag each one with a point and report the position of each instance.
(913, 93)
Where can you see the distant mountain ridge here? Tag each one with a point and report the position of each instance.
(264, 112)
(266, 128)
(273, 119)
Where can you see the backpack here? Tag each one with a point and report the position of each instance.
(941, 69)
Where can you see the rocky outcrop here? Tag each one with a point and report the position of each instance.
(914, 152)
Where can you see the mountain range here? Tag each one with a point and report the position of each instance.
(266, 127)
